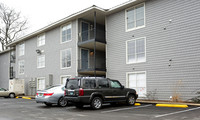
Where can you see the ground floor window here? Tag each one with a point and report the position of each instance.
(64, 78)
(137, 81)
(40, 83)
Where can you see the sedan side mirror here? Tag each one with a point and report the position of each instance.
(122, 87)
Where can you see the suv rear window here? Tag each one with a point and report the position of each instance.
(89, 83)
(73, 84)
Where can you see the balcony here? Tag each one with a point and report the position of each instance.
(86, 66)
(86, 39)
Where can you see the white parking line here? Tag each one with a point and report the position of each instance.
(125, 109)
(176, 112)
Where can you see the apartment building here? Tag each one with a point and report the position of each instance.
(149, 45)
(4, 69)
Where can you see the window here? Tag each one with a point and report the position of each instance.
(66, 58)
(64, 78)
(41, 83)
(41, 61)
(66, 33)
(89, 83)
(137, 81)
(21, 49)
(103, 83)
(21, 66)
(115, 84)
(41, 40)
(135, 17)
(136, 51)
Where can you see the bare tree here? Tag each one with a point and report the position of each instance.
(12, 25)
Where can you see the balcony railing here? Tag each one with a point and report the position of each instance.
(88, 64)
(89, 35)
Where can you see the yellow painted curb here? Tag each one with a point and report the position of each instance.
(171, 105)
(137, 104)
(26, 97)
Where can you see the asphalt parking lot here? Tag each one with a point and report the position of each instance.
(23, 109)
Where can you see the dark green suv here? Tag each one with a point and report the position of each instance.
(96, 91)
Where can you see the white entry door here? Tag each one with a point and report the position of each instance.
(137, 81)
(40, 83)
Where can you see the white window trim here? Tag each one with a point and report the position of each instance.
(44, 61)
(19, 49)
(38, 82)
(135, 28)
(61, 59)
(19, 67)
(61, 33)
(38, 40)
(64, 76)
(127, 80)
(127, 51)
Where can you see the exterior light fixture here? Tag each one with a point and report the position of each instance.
(38, 51)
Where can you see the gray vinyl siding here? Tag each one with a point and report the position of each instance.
(179, 42)
(52, 49)
(4, 70)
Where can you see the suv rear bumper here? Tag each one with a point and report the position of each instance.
(78, 99)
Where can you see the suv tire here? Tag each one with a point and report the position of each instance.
(130, 100)
(96, 103)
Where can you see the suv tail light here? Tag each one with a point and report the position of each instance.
(37, 94)
(65, 91)
(81, 92)
(47, 94)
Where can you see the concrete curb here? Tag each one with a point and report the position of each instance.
(172, 105)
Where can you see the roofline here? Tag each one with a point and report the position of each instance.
(121, 5)
(73, 16)
(5, 51)
(55, 24)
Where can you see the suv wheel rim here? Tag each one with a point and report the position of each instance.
(131, 100)
(97, 103)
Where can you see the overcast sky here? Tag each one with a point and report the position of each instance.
(43, 12)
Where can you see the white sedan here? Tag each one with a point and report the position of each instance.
(6, 93)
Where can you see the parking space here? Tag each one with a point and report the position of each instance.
(24, 109)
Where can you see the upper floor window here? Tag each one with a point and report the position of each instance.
(66, 33)
(41, 61)
(21, 66)
(41, 40)
(136, 50)
(21, 49)
(135, 17)
(66, 58)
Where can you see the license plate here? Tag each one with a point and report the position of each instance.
(71, 92)
(40, 94)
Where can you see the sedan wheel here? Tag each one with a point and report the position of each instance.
(96, 103)
(62, 102)
(12, 95)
